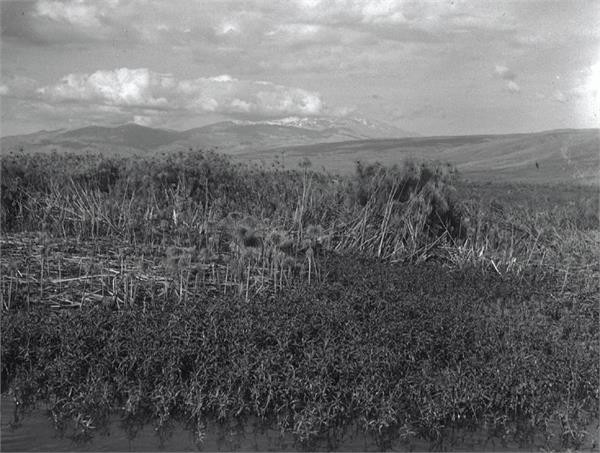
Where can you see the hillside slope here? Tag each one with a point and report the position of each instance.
(561, 155)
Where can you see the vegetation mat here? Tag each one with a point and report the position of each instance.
(400, 350)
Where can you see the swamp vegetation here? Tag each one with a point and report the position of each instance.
(188, 289)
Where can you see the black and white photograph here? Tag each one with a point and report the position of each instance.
(300, 225)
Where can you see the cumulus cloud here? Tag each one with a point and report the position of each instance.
(142, 88)
(358, 11)
(121, 87)
(396, 20)
(76, 12)
(302, 34)
(406, 20)
(507, 75)
(504, 73)
(513, 86)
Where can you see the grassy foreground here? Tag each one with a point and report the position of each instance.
(189, 289)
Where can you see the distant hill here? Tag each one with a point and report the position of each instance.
(129, 135)
(568, 155)
(229, 136)
(562, 156)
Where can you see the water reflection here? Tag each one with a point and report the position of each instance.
(37, 434)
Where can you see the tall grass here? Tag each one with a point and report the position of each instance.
(411, 212)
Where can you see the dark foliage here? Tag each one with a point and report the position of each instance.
(394, 349)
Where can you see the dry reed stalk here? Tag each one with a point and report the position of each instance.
(247, 283)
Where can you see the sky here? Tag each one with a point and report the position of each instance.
(430, 67)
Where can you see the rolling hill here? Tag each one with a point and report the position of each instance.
(557, 156)
(562, 156)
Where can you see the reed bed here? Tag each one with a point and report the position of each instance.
(60, 273)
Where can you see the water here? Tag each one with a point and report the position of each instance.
(37, 434)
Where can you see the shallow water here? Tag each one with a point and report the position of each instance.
(37, 434)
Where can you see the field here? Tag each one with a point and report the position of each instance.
(403, 301)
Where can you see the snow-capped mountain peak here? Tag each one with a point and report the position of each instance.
(352, 126)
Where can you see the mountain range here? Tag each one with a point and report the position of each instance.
(229, 136)
(557, 156)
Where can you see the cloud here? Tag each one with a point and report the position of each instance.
(144, 89)
(407, 20)
(177, 22)
(588, 83)
(395, 20)
(513, 86)
(17, 86)
(299, 35)
(119, 87)
(245, 23)
(366, 11)
(393, 12)
(75, 12)
(558, 96)
(504, 73)
(71, 22)
(147, 120)
(584, 87)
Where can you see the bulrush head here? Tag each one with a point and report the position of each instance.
(250, 221)
(314, 237)
(204, 255)
(314, 231)
(241, 232)
(234, 216)
(276, 237)
(251, 240)
(246, 236)
(287, 246)
(172, 251)
(179, 257)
